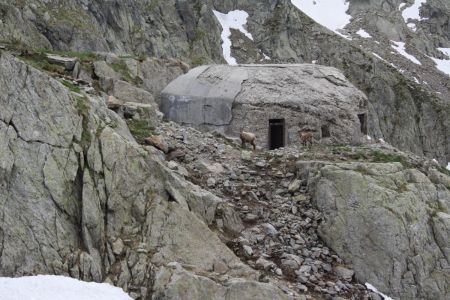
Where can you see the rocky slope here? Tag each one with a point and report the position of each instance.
(385, 213)
(193, 216)
(81, 198)
(409, 102)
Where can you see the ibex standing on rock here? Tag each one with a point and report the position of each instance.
(248, 137)
(306, 137)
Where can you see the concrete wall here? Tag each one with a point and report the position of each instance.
(344, 130)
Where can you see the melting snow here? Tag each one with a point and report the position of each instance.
(235, 19)
(379, 57)
(391, 64)
(446, 51)
(57, 287)
(363, 33)
(373, 289)
(442, 65)
(400, 48)
(412, 12)
(329, 13)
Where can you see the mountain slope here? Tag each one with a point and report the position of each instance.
(409, 102)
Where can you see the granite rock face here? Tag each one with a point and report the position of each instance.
(390, 222)
(81, 198)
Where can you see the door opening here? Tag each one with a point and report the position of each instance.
(276, 133)
(363, 121)
(325, 129)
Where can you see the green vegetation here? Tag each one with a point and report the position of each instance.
(122, 69)
(82, 56)
(381, 157)
(71, 86)
(151, 5)
(83, 107)
(140, 129)
(40, 62)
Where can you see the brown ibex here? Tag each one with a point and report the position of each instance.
(248, 137)
(306, 137)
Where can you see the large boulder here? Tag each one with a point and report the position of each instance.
(390, 222)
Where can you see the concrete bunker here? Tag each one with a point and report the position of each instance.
(274, 102)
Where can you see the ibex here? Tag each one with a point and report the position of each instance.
(248, 137)
(306, 137)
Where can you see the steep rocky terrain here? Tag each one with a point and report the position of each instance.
(409, 102)
(94, 185)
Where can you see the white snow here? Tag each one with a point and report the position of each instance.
(364, 34)
(448, 166)
(389, 63)
(266, 57)
(374, 289)
(401, 6)
(235, 19)
(379, 57)
(443, 65)
(416, 80)
(446, 51)
(382, 141)
(45, 287)
(400, 48)
(329, 13)
(412, 12)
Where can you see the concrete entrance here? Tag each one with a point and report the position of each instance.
(363, 121)
(276, 133)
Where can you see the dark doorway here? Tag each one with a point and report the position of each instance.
(325, 131)
(363, 121)
(276, 133)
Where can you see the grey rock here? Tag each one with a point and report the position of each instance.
(371, 219)
(344, 273)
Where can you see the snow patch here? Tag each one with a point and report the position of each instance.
(379, 57)
(448, 166)
(45, 287)
(235, 19)
(446, 51)
(443, 65)
(401, 6)
(364, 34)
(329, 13)
(374, 289)
(389, 63)
(400, 48)
(416, 80)
(412, 12)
